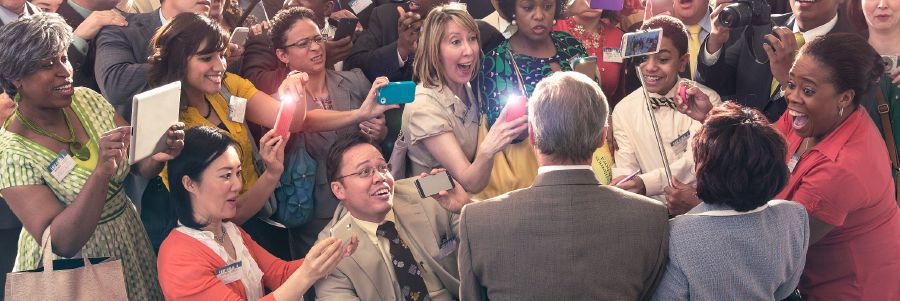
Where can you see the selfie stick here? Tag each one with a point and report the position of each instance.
(659, 143)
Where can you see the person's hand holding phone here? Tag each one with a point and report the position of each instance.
(271, 150)
(695, 104)
(337, 50)
(781, 52)
(502, 133)
(454, 199)
(370, 107)
(680, 198)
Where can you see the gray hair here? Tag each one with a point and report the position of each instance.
(567, 112)
(27, 41)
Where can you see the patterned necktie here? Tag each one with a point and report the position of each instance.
(408, 274)
(798, 36)
(658, 102)
(694, 46)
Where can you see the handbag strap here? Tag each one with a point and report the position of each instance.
(512, 59)
(883, 110)
(47, 252)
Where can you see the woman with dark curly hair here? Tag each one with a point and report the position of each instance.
(738, 234)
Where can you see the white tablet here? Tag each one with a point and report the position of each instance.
(152, 113)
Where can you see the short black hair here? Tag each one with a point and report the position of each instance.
(283, 21)
(336, 154)
(672, 29)
(202, 146)
(508, 8)
(739, 158)
(852, 62)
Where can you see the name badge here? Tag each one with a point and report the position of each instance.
(237, 108)
(359, 5)
(612, 55)
(61, 166)
(448, 246)
(229, 273)
(679, 145)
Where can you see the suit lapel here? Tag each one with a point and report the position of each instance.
(417, 225)
(371, 264)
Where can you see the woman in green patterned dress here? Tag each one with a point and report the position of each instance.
(513, 69)
(64, 158)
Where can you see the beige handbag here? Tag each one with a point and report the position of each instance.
(101, 281)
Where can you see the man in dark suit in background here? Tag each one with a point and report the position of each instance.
(87, 17)
(567, 237)
(726, 64)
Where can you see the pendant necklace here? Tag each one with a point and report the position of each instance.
(80, 151)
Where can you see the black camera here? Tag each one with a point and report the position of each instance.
(741, 13)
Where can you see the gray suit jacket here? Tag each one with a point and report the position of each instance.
(567, 237)
(364, 276)
(347, 90)
(121, 60)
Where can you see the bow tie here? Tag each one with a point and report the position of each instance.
(658, 102)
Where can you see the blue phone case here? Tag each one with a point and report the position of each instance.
(397, 93)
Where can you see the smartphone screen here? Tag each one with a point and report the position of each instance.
(433, 184)
(284, 118)
(641, 43)
(239, 36)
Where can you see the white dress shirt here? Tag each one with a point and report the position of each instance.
(711, 58)
(638, 149)
(549, 168)
(504, 27)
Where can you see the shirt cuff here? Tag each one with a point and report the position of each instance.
(654, 182)
(400, 60)
(710, 59)
(80, 44)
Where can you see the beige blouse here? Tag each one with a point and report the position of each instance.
(436, 111)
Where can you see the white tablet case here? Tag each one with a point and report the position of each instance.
(152, 113)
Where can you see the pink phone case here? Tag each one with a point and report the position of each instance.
(517, 107)
(682, 91)
(285, 116)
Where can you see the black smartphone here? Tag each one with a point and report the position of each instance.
(433, 184)
(345, 28)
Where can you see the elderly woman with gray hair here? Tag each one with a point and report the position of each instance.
(64, 151)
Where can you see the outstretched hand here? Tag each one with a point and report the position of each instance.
(454, 199)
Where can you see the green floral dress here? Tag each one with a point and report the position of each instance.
(119, 232)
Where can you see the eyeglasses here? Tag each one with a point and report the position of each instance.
(305, 43)
(383, 168)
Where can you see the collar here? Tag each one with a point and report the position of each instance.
(446, 98)
(704, 209)
(834, 142)
(162, 20)
(369, 228)
(504, 27)
(7, 16)
(83, 12)
(705, 23)
(814, 33)
(549, 168)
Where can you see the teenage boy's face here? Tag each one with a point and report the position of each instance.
(661, 69)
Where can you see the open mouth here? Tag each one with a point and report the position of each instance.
(652, 79)
(204, 2)
(540, 29)
(316, 59)
(65, 89)
(465, 68)
(383, 192)
(800, 119)
(215, 78)
(686, 3)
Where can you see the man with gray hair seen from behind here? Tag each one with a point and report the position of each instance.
(567, 237)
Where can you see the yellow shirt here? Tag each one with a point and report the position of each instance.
(238, 87)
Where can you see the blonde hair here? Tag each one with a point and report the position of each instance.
(427, 67)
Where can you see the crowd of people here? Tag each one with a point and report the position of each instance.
(733, 163)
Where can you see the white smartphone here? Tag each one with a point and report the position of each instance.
(432, 184)
(239, 36)
(343, 229)
(641, 42)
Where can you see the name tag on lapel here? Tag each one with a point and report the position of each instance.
(448, 246)
(679, 145)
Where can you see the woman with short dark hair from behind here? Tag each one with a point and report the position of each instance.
(737, 235)
(205, 181)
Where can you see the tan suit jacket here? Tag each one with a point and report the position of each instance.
(364, 276)
(565, 238)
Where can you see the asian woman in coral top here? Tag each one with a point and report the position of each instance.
(207, 257)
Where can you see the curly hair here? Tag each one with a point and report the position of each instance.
(26, 42)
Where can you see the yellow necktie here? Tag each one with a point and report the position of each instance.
(800, 41)
(694, 46)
